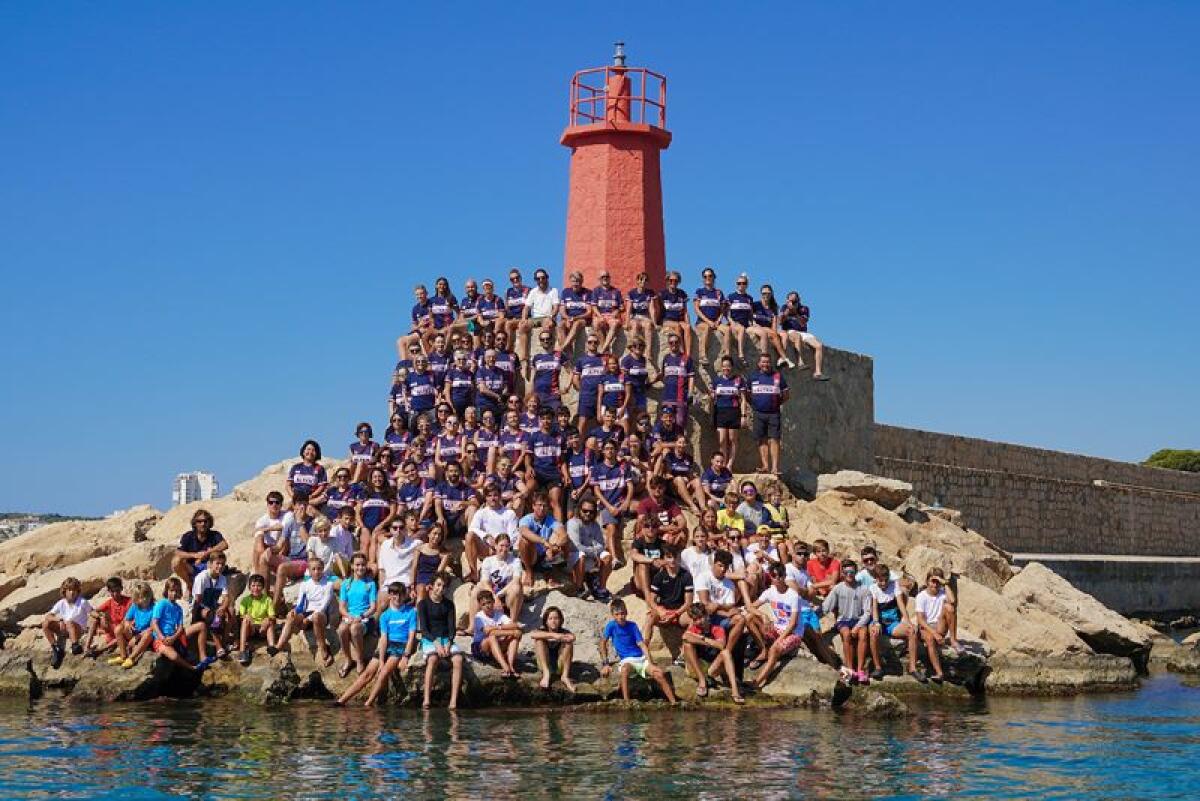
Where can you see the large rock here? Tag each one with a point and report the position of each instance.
(1107, 632)
(1034, 651)
(73, 541)
(887, 492)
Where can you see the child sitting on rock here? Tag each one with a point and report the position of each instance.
(211, 604)
(850, 605)
(631, 653)
(257, 611)
(169, 634)
(397, 643)
(135, 628)
(107, 617)
(311, 612)
(554, 647)
(495, 636)
(937, 619)
(66, 620)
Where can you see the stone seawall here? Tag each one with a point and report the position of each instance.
(1040, 501)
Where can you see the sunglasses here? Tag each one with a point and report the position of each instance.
(742, 283)
(393, 592)
(274, 503)
(869, 560)
(587, 511)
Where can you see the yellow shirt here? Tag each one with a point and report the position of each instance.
(257, 609)
(729, 518)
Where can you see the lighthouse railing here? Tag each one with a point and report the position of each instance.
(645, 103)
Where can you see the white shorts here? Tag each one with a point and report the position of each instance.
(805, 337)
(590, 565)
(637, 664)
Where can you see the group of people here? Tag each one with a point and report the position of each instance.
(487, 475)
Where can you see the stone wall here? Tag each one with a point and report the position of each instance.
(1138, 587)
(1039, 501)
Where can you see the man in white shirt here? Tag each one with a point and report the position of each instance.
(541, 310)
(501, 573)
(396, 554)
(494, 521)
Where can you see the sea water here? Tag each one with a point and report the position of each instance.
(1143, 744)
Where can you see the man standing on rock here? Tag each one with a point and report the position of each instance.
(768, 392)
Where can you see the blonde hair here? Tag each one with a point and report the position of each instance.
(321, 524)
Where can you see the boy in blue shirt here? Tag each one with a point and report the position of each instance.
(631, 653)
(170, 634)
(397, 641)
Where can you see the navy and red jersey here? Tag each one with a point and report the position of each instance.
(507, 486)
(727, 392)
(442, 310)
(612, 390)
(575, 304)
(493, 379)
(590, 370)
(412, 496)
(486, 440)
(363, 453)
(306, 477)
(766, 392)
(579, 465)
(716, 483)
(711, 303)
(462, 387)
(470, 306)
(678, 466)
(741, 307)
(453, 498)
(509, 362)
(420, 314)
(374, 507)
(762, 314)
(439, 363)
(636, 372)
(513, 444)
(677, 369)
(528, 422)
(514, 301)
(610, 481)
(793, 318)
(600, 435)
(489, 308)
(546, 370)
(339, 498)
(640, 301)
(607, 300)
(674, 304)
(396, 442)
(450, 448)
(546, 449)
(422, 391)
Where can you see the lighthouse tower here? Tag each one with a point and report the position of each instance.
(614, 205)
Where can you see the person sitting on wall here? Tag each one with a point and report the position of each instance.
(673, 303)
(641, 313)
(608, 307)
(540, 310)
(709, 303)
(577, 312)
(793, 328)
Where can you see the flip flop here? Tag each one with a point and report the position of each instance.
(344, 671)
(702, 692)
(737, 699)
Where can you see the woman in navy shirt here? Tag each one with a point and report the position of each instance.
(728, 392)
(641, 311)
(740, 307)
(709, 304)
(674, 304)
(363, 452)
(576, 304)
(764, 325)
(307, 478)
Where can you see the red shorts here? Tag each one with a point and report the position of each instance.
(157, 645)
(785, 645)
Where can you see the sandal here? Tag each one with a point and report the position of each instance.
(702, 692)
(344, 671)
(757, 663)
(737, 699)
(327, 660)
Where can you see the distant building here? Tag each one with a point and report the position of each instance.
(195, 486)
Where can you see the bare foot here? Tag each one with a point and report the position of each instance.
(570, 685)
(545, 682)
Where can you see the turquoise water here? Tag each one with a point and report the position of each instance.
(1143, 745)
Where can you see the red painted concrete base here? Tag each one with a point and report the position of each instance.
(614, 209)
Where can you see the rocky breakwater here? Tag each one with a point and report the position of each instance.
(1026, 632)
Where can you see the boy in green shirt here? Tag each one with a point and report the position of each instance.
(257, 612)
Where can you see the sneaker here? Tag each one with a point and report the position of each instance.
(919, 675)
(602, 595)
(116, 660)
(127, 664)
(937, 679)
(76, 648)
(244, 658)
(802, 366)
(56, 656)
(678, 662)
(205, 663)
(272, 650)
(861, 677)
(877, 675)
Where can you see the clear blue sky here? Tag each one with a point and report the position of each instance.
(211, 215)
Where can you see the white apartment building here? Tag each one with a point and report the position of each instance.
(195, 486)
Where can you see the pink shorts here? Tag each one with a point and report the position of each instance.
(786, 645)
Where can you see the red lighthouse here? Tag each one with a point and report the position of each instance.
(614, 205)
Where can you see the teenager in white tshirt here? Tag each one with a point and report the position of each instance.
(541, 310)
(501, 574)
(937, 619)
(787, 630)
(311, 611)
(495, 634)
(398, 551)
(716, 591)
(492, 522)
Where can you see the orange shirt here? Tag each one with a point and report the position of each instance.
(114, 608)
(818, 573)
